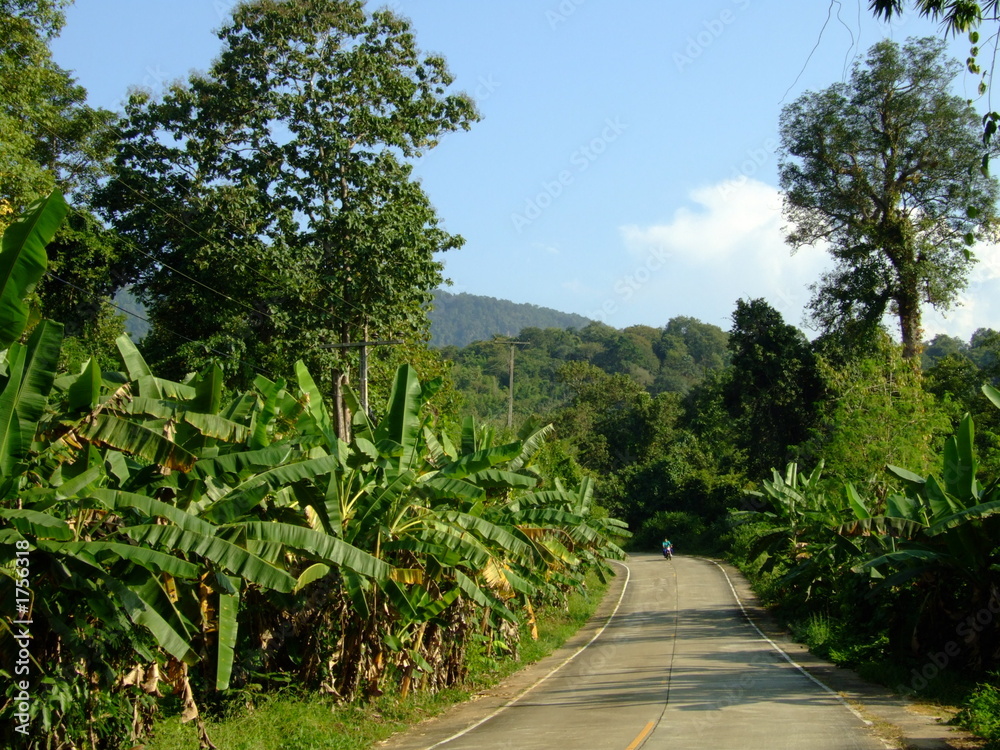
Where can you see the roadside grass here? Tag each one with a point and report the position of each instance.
(291, 720)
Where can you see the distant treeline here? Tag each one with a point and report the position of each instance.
(670, 359)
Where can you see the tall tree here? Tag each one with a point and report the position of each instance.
(773, 386)
(50, 137)
(282, 178)
(48, 134)
(884, 169)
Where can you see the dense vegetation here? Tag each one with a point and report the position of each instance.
(187, 541)
(876, 529)
(248, 542)
(245, 519)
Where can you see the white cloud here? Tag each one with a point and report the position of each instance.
(979, 304)
(988, 263)
(728, 246)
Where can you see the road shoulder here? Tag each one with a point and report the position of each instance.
(895, 719)
(482, 705)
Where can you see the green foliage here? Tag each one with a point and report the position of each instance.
(773, 387)
(956, 378)
(173, 529)
(23, 261)
(655, 360)
(981, 713)
(49, 137)
(884, 168)
(686, 530)
(876, 412)
(309, 192)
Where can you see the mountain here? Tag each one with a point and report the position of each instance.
(456, 319)
(136, 325)
(459, 319)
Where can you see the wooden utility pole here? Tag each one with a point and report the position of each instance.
(363, 377)
(510, 380)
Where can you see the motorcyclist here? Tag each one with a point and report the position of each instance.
(668, 549)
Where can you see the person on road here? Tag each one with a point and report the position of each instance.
(668, 549)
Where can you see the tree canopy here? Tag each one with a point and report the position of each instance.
(281, 178)
(48, 134)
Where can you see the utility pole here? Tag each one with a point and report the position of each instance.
(363, 377)
(510, 380)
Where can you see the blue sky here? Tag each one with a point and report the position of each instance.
(625, 166)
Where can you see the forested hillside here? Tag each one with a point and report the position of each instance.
(282, 491)
(460, 319)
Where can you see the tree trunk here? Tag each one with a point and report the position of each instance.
(908, 304)
(341, 414)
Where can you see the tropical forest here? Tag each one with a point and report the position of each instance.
(266, 483)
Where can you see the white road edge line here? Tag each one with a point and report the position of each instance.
(781, 651)
(567, 660)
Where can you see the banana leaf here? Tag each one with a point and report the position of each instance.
(37, 524)
(402, 422)
(118, 501)
(480, 460)
(85, 390)
(143, 612)
(41, 360)
(229, 605)
(327, 548)
(12, 443)
(220, 551)
(154, 561)
(131, 437)
(472, 590)
(23, 261)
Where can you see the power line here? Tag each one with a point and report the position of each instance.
(252, 365)
(195, 232)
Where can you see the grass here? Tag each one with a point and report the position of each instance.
(293, 721)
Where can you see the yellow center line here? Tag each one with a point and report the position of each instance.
(642, 736)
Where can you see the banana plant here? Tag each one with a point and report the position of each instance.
(813, 535)
(169, 519)
(939, 539)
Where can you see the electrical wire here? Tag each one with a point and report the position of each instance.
(254, 366)
(195, 232)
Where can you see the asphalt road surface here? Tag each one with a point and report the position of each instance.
(677, 666)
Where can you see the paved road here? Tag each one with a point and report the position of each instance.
(678, 667)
